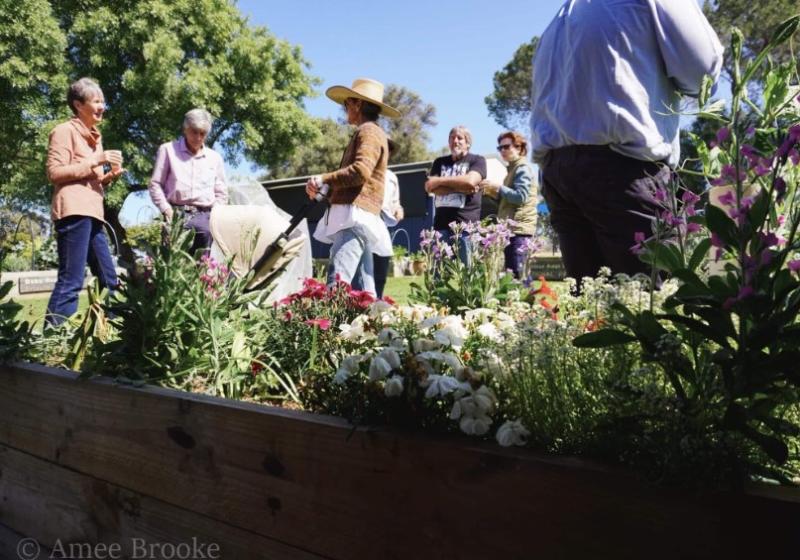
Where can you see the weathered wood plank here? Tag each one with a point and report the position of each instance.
(66, 509)
(310, 481)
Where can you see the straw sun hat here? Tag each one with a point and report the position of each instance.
(366, 89)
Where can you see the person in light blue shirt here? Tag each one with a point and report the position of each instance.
(608, 79)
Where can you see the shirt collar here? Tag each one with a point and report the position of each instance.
(184, 148)
(92, 135)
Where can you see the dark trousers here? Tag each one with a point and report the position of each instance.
(513, 259)
(380, 270)
(591, 208)
(199, 222)
(80, 240)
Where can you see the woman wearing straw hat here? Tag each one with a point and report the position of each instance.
(352, 224)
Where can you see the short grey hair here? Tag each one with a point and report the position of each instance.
(464, 130)
(198, 119)
(80, 90)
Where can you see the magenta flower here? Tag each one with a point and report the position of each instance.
(723, 135)
(692, 227)
(728, 199)
(794, 265)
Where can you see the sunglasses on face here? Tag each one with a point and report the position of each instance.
(502, 147)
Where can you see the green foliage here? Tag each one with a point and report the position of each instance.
(187, 325)
(510, 102)
(757, 22)
(320, 154)
(725, 343)
(323, 151)
(155, 60)
(449, 282)
(145, 237)
(33, 80)
(410, 131)
(15, 335)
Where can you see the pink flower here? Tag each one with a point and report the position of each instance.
(692, 227)
(323, 324)
(728, 199)
(639, 238)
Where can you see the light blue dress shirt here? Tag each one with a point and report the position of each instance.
(612, 72)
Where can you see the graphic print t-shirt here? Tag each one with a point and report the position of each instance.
(457, 207)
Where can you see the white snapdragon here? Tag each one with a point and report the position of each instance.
(451, 332)
(379, 369)
(475, 425)
(424, 345)
(440, 385)
(393, 386)
(511, 433)
(391, 357)
(348, 367)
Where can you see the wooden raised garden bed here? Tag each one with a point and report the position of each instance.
(94, 462)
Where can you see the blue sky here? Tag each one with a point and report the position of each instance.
(446, 51)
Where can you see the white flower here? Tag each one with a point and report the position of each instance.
(493, 364)
(392, 358)
(429, 322)
(393, 386)
(378, 308)
(453, 361)
(479, 315)
(489, 331)
(387, 335)
(378, 369)
(475, 425)
(484, 398)
(348, 367)
(453, 333)
(440, 385)
(424, 345)
(512, 433)
(355, 331)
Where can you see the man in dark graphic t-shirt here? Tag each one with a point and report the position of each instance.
(454, 181)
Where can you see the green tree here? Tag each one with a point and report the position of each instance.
(410, 131)
(510, 102)
(156, 59)
(757, 22)
(32, 84)
(323, 152)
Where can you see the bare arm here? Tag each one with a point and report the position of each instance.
(464, 184)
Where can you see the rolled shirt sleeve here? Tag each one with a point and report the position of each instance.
(220, 184)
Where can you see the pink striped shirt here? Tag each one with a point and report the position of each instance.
(181, 177)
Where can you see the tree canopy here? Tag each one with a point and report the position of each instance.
(156, 59)
(510, 102)
(757, 22)
(324, 151)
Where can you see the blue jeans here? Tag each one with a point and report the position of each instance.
(380, 269)
(351, 256)
(80, 240)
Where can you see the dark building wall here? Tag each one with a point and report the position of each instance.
(290, 195)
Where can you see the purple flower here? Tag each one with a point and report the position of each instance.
(769, 239)
(728, 199)
(639, 238)
(794, 265)
(692, 227)
(744, 293)
(794, 156)
(723, 135)
(688, 197)
(780, 188)
(750, 130)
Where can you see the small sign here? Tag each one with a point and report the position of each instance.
(38, 284)
(550, 267)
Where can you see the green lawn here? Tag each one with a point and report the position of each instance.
(34, 307)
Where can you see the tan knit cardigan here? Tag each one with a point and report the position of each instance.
(360, 179)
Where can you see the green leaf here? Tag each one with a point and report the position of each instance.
(699, 254)
(720, 223)
(602, 339)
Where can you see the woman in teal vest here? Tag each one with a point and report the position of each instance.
(517, 197)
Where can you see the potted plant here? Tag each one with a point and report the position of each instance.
(399, 261)
(417, 263)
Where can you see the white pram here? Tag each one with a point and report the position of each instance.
(257, 235)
